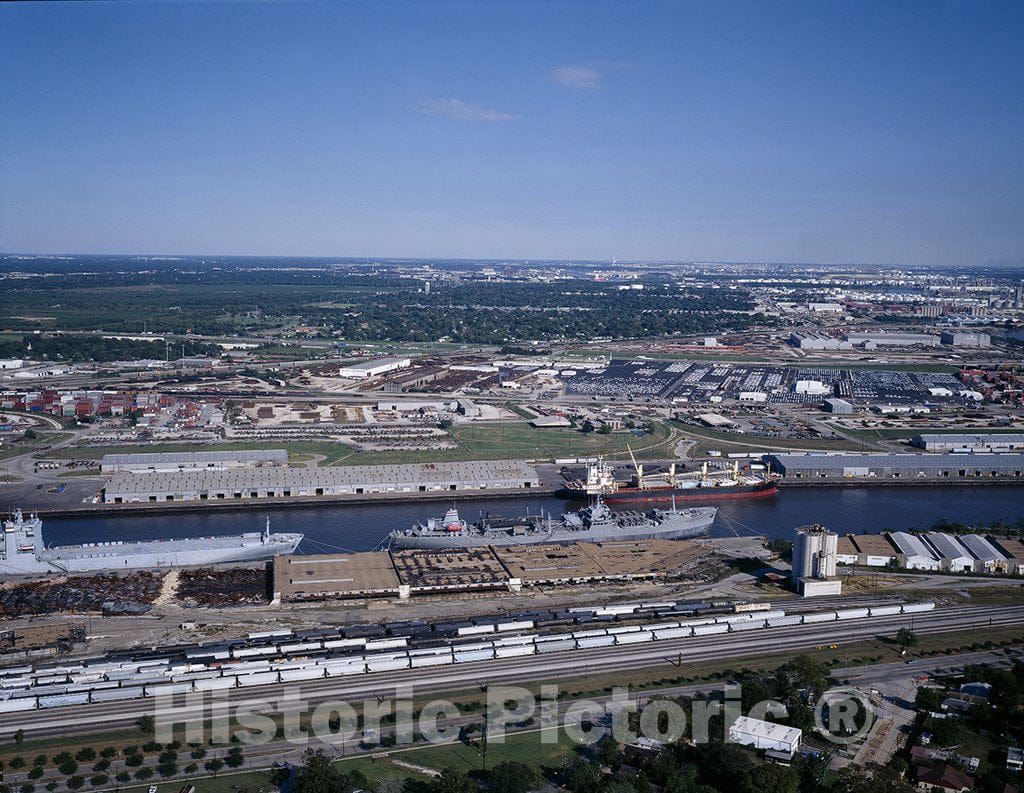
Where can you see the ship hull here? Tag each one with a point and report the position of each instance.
(696, 528)
(60, 559)
(663, 494)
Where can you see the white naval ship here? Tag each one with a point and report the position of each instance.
(23, 551)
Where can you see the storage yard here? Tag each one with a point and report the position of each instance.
(269, 658)
(700, 382)
(425, 572)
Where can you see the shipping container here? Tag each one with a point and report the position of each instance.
(386, 644)
(62, 700)
(476, 630)
(345, 669)
(673, 633)
(782, 622)
(515, 651)
(386, 664)
(468, 656)
(216, 683)
(308, 673)
(13, 705)
(595, 641)
(257, 679)
(819, 616)
(710, 630)
(430, 660)
(117, 694)
(634, 638)
(556, 646)
(516, 625)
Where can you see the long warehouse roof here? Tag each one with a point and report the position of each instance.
(247, 455)
(838, 462)
(355, 475)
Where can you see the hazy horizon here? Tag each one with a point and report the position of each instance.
(869, 133)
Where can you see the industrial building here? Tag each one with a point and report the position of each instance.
(814, 562)
(169, 462)
(961, 338)
(914, 552)
(931, 551)
(812, 387)
(374, 368)
(766, 735)
(953, 556)
(253, 483)
(868, 550)
(881, 339)
(897, 466)
(974, 442)
(840, 407)
(988, 558)
(1013, 551)
(817, 341)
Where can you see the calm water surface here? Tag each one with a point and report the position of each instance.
(361, 528)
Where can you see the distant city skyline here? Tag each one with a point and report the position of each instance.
(822, 133)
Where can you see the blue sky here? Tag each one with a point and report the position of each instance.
(818, 131)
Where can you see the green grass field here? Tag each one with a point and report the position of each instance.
(481, 441)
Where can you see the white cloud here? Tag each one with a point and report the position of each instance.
(461, 111)
(579, 77)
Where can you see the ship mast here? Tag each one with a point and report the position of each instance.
(639, 468)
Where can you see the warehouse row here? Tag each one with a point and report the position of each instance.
(202, 484)
(21, 689)
(934, 550)
(897, 466)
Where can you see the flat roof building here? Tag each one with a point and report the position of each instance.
(169, 462)
(356, 480)
(976, 442)
(882, 339)
(373, 368)
(897, 466)
(765, 735)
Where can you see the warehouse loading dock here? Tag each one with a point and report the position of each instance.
(285, 483)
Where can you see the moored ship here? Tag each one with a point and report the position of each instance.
(692, 486)
(23, 550)
(595, 523)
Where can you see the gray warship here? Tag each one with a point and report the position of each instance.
(23, 550)
(595, 523)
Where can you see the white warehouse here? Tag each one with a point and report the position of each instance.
(952, 555)
(915, 555)
(766, 735)
(374, 368)
(988, 558)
